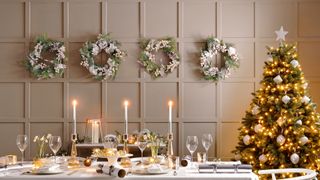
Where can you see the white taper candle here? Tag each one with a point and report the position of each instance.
(74, 104)
(126, 103)
(170, 116)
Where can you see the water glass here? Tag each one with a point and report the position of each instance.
(206, 142)
(192, 145)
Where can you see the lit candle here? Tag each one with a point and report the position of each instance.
(74, 104)
(170, 116)
(126, 103)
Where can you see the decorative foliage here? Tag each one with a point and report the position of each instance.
(287, 115)
(148, 58)
(92, 49)
(42, 143)
(213, 47)
(42, 68)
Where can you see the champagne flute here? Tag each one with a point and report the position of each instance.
(22, 143)
(206, 143)
(142, 144)
(55, 144)
(192, 145)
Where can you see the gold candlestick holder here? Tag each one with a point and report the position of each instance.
(73, 162)
(170, 144)
(125, 138)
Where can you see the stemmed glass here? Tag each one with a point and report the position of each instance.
(192, 145)
(206, 143)
(142, 144)
(55, 144)
(22, 143)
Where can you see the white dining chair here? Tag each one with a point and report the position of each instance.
(309, 174)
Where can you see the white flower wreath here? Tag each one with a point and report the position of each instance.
(42, 68)
(91, 49)
(148, 58)
(228, 53)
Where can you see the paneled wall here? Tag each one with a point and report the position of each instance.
(36, 107)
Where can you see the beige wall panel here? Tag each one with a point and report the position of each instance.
(9, 133)
(191, 61)
(41, 13)
(157, 97)
(12, 55)
(194, 13)
(199, 100)
(76, 71)
(12, 27)
(197, 129)
(12, 100)
(314, 93)
(123, 18)
(40, 129)
(89, 100)
(129, 68)
(117, 93)
(246, 52)
(309, 24)
(46, 100)
(270, 16)
(85, 19)
(229, 139)
(161, 18)
(163, 129)
(111, 128)
(237, 19)
(261, 57)
(309, 58)
(234, 105)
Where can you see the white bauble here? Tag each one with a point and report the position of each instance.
(231, 51)
(258, 128)
(299, 122)
(304, 85)
(278, 79)
(255, 110)
(246, 139)
(294, 63)
(305, 99)
(294, 158)
(237, 156)
(262, 158)
(303, 140)
(269, 59)
(281, 139)
(285, 99)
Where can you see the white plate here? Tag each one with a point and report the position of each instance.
(146, 172)
(46, 172)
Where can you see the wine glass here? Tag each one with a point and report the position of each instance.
(206, 143)
(22, 143)
(142, 144)
(55, 144)
(192, 145)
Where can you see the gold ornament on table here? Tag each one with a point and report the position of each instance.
(73, 161)
(87, 162)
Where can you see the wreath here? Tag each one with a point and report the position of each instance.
(92, 49)
(42, 68)
(228, 53)
(148, 57)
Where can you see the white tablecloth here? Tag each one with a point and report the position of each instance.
(90, 173)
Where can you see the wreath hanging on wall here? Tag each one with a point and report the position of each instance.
(43, 68)
(229, 55)
(148, 57)
(92, 49)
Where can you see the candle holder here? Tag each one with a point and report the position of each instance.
(170, 144)
(125, 138)
(73, 162)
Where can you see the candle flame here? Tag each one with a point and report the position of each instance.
(170, 103)
(74, 102)
(126, 103)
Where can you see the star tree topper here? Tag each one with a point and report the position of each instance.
(281, 34)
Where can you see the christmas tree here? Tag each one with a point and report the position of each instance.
(281, 128)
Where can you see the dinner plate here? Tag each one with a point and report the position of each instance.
(46, 172)
(146, 172)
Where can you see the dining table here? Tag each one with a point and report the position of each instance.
(90, 173)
